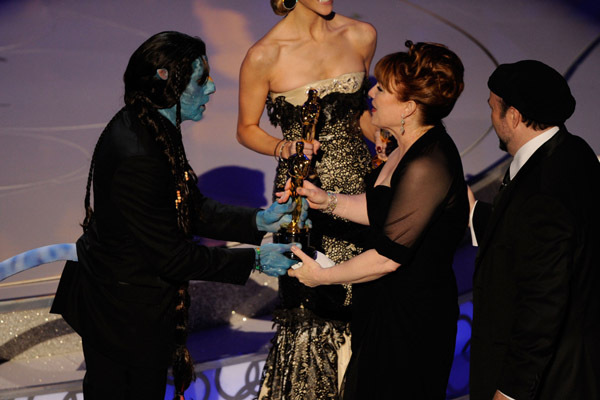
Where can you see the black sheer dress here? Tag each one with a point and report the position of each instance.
(404, 324)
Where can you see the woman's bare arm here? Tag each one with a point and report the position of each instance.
(253, 91)
(365, 267)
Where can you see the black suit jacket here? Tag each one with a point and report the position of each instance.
(120, 295)
(536, 322)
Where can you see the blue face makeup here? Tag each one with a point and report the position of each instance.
(195, 95)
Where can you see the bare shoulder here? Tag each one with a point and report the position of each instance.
(262, 55)
(359, 32)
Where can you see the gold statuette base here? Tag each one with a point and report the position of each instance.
(302, 237)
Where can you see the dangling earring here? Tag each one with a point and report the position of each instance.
(402, 126)
(289, 4)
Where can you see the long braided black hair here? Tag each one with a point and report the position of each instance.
(145, 93)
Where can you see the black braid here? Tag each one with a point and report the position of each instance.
(89, 211)
(145, 95)
(183, 365)
(169, 138)
(183, 173)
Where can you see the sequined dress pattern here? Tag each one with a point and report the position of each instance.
(313, 324)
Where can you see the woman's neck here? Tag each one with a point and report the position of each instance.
(411, 135)
(307, 22)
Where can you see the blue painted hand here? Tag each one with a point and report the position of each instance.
(272, 260)
(280, 214)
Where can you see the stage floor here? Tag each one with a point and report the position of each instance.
(229, 358)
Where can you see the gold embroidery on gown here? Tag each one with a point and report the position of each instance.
(313, 324)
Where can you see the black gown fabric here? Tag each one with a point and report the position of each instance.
(404, 324)
(313, 323)
(341, 166)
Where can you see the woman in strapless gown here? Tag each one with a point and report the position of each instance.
(312, 48)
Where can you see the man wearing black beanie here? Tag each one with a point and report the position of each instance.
(536, 302)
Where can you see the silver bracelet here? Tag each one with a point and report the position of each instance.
(331, 203)
(278, 148)
(285, 142)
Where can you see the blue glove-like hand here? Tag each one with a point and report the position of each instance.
(272, 260)
(271, 219)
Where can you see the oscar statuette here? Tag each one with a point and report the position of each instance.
(299, 169)
(299, 166)
(310, 115)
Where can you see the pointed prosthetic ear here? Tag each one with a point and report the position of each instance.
(162, 73)
(198, 62)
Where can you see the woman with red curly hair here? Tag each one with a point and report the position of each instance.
(405, 295)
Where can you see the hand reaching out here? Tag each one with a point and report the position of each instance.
(310, 273)
(310, 149)
(278, 214)
(272, 260)
(317, 198)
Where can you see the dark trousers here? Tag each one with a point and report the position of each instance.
(107, 379)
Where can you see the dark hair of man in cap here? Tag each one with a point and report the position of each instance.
(537, 91)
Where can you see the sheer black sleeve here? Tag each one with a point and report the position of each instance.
(419, 186)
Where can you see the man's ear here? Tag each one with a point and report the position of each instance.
(515, 117)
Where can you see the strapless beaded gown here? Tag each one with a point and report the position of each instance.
(310, 350)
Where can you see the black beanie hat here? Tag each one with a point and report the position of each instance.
(538, 91)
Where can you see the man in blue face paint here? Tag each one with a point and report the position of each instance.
(127, 294)
(195, 95)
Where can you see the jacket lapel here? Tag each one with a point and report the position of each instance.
(507, 194)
